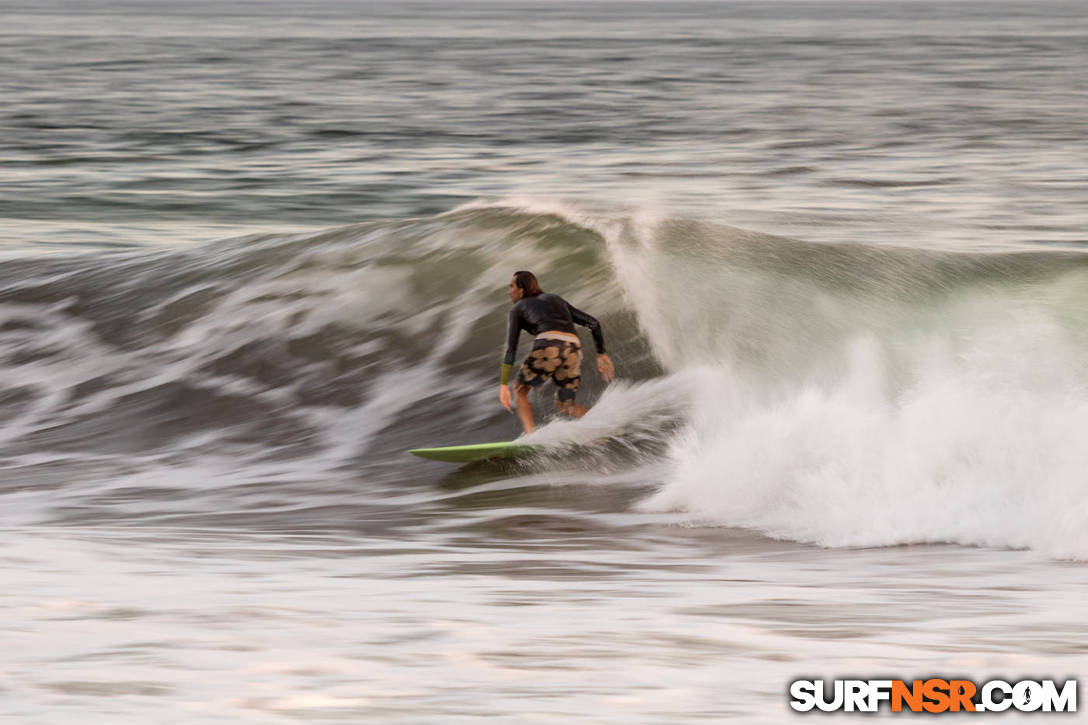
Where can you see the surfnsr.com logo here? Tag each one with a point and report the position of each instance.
(933, 695)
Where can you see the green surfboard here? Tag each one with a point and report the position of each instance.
(475, 452)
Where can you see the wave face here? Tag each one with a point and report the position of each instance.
(280, 345)
(841, 395)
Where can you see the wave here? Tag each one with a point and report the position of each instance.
(836, 394)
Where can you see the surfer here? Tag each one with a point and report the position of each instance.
(556, 353)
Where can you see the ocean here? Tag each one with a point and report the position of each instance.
(251, 252)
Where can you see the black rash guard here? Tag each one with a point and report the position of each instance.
(541, 313)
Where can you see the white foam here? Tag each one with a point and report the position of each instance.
(977, 450)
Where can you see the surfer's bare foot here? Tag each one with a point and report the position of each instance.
(574, 410)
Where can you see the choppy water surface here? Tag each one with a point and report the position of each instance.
(918, 122)
(254, 252)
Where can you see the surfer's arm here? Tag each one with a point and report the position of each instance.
(513, 330)
(581, 318)
(604, 363)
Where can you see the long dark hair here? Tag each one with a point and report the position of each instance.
(526, 282)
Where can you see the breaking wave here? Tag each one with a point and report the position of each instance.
(841, 395)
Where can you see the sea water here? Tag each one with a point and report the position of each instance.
(252, 252)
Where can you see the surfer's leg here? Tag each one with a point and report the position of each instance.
(535, 371)
(525, 410)
(568, 377)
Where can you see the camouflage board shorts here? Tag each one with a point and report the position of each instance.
(554, 358)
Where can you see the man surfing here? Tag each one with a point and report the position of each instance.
(556, 354)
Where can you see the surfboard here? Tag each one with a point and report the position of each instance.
(475, 452)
